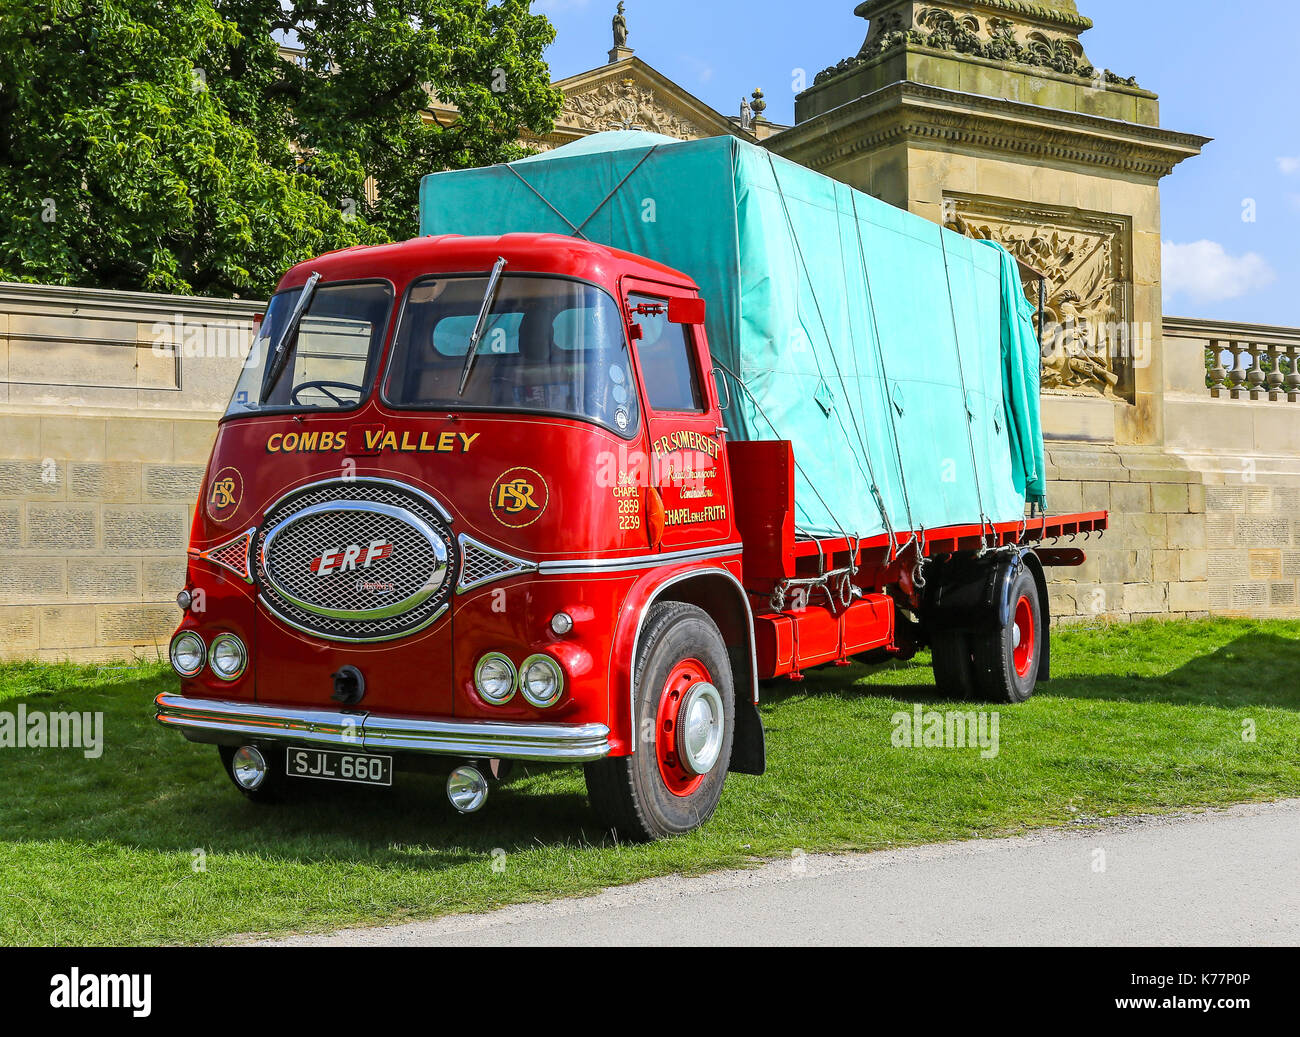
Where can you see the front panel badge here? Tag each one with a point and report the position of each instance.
(519, 497)
(224, 494)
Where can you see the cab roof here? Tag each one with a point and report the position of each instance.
(455, 253)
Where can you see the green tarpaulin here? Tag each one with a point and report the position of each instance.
(898, 358)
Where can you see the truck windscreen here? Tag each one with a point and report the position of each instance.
(328, 361)
(549, 345)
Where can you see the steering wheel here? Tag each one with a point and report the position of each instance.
(324, 387)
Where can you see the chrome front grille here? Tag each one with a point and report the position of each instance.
(361, 560)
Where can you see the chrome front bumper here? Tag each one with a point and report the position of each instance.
(203, 720)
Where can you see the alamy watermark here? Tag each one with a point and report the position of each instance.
(35, 729)
(75, 989)
(956, 729)
(212, 339)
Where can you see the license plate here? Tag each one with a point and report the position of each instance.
(327, 765)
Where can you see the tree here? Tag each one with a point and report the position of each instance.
(165, 145)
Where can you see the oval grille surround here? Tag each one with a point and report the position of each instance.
(356, 561)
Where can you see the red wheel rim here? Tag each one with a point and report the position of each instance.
(684, 676)
(1024, 650)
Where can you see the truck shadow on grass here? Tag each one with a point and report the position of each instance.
(152, 790)
(1254, 670)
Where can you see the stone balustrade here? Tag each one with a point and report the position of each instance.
(1253, 364)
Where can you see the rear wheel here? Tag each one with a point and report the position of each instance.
(685, 721)
(1007, 660)
(953, 662)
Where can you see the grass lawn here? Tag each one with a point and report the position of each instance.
(1146, 718)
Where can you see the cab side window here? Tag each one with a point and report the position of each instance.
(667, 353)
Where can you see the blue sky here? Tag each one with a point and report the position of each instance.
(1228, 71)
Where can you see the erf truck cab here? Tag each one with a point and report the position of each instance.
(474, 502)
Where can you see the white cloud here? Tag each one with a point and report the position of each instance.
(1290, 165)
(1204, 272)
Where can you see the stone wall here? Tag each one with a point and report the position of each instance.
(108, 409)
(109, 403)
(1243, 437)
(1209, 523)
(1153, 559)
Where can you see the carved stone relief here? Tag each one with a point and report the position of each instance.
(1015, 37)
(627, 106)
(1088, 338)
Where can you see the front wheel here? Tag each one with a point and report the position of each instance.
(1007, 660)
(685, 714)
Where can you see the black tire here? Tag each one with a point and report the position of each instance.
(630, 794)
(953, 662)
(1000, 674)
(273, 786)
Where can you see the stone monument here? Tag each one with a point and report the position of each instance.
(621, 49)
(989, 117)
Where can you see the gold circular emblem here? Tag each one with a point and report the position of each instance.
(225, 491)
(519, 497)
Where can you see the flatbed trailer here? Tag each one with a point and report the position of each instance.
(820, 600)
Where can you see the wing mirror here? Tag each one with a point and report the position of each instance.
(686, 311)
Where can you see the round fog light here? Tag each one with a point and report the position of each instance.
(467, 789)
(188, 653)
(249, 768)
(184, 600)
(495, 678)
(562, 623)
(541, 680)
(228, 657)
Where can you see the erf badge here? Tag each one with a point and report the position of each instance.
(224, 494)
(519, 497)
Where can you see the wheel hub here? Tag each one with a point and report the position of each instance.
(1022, 637)
(688, 727)
(699, 728)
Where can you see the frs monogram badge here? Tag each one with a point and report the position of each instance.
(519, 497)
(224, 494)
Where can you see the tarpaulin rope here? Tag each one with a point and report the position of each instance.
(777, 432)
(572, 226)
(618, 187)
(862, 443)
(577, 228)
(985, 521)
(884, 375)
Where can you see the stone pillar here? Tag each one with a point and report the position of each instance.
(988, 116)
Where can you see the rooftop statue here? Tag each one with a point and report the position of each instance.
(620, 26)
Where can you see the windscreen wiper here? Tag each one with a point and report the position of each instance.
(489, 297)
(280, 355)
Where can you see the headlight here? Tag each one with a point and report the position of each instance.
(541, 680)
(495, 678)
(188, 653)
(228, 657)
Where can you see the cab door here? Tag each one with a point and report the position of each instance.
(691, 495)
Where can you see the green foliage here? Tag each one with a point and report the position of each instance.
(165, 145)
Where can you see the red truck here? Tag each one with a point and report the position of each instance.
(419, 549)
